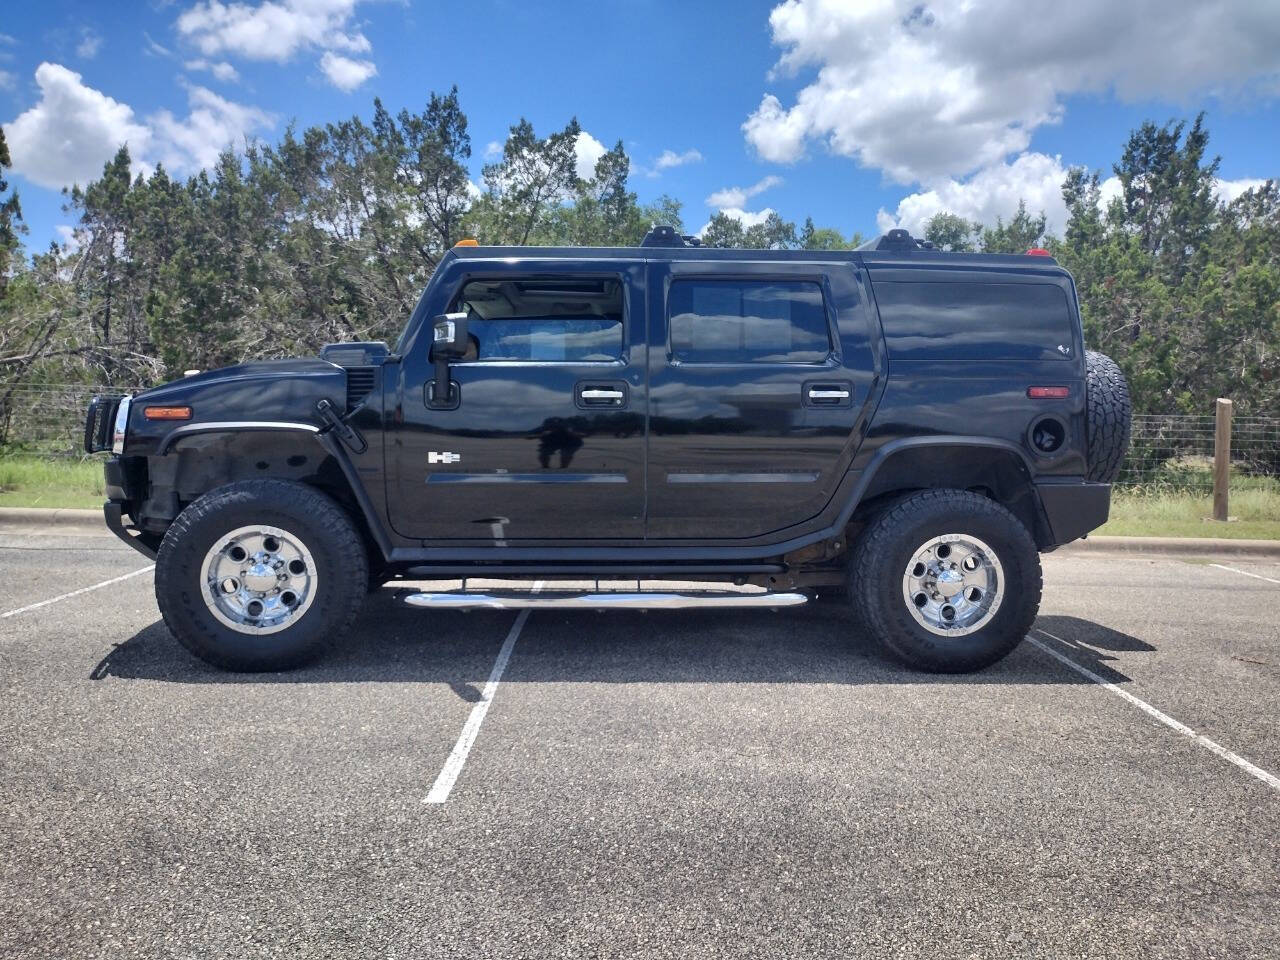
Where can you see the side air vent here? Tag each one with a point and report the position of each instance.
(359, 384)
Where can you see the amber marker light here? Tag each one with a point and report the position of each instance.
(468, 242)
(167, 413)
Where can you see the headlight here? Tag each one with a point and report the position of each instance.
(122, 425)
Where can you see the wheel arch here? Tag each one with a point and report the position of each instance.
(996, 468)
(190, 464)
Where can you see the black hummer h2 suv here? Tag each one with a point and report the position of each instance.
(897, 428)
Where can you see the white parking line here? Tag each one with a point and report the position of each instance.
(1168, 721)
(452, 768)
(74, 593)
(1256, 576)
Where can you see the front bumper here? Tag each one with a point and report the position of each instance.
(145, 544)
(1073, 507)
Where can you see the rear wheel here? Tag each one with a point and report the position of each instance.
(948, 580)
(260, 575)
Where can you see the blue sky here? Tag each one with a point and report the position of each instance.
(862, 113)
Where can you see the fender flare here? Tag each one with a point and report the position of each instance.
(377, 530)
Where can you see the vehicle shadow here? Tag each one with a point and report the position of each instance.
(816, 643)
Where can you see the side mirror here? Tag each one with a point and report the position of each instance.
(449, 335)
(448, 341)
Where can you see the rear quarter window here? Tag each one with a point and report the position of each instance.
(974, 320)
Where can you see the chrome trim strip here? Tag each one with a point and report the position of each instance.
(602, 601)
(218, 426)
(120, 431)
(526, 478)
(742, 477)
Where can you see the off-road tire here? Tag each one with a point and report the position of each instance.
(338, 552)
(886, 546)
(1108, 416)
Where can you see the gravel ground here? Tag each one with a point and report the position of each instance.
(711, 783)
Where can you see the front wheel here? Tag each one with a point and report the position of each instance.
(260, 575)
(948, 580)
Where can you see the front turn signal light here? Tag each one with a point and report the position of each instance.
(167, 413)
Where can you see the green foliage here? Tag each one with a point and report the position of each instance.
(332, 232)
(1182, 292)
(946, 231)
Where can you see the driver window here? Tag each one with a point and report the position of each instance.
(571, 320)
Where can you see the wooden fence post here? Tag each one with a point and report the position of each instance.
(1221, 458)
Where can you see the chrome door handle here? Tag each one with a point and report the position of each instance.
(819, 394)
(602, 394)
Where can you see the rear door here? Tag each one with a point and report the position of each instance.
(760, 377)
(546, 440)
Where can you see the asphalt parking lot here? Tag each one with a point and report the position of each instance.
(710, 783)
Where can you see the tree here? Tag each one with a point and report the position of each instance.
(826, 238)
(11, 225)
(772, 233)
(1017, 236)
(946, 231)
(523, 189)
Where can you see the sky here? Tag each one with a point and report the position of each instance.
(864, 114)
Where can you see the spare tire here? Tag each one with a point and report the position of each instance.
(1108, 417)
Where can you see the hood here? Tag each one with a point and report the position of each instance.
(268, 390)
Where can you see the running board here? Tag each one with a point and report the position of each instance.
(601, 601)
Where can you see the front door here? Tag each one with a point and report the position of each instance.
(546, 438)
(760, 375)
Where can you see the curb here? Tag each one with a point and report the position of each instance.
(66, 518)
(1174, 546)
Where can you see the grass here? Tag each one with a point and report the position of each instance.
(33, 481)
(1254, 503)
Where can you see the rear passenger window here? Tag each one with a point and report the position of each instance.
(747, 321)
(974, 321)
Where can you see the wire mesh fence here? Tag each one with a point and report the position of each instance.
(1175, 451)
(1168, 451)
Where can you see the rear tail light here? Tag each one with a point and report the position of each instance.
(1048, 393)
(1038, 252)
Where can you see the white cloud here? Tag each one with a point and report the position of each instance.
(588, 150)
(220, 69)
(90, 43)
(669, 158)
(213, 124)
(493, 150)
(1228, 190)
(74, 129)
(68, 236)
(994, 192)
(279, 30)
(345, 73)
(747, 218)
(71, 131)
(737, 197)
(990, 193)
(926, 91)
(7, 80)
(273, 30)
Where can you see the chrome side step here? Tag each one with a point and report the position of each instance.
(601, 601)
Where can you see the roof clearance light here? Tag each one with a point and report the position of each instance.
(468, 242)
(1038, 252)
(167, 413)
(1048, 393)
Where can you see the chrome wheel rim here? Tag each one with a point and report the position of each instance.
(258, 579)
(953, 585)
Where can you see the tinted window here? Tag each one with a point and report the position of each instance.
(974, 321)
(569, 320)
(737, 321)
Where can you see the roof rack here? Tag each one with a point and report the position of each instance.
(897, 240)
(662, 235)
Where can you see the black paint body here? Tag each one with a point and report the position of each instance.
(710, 463)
